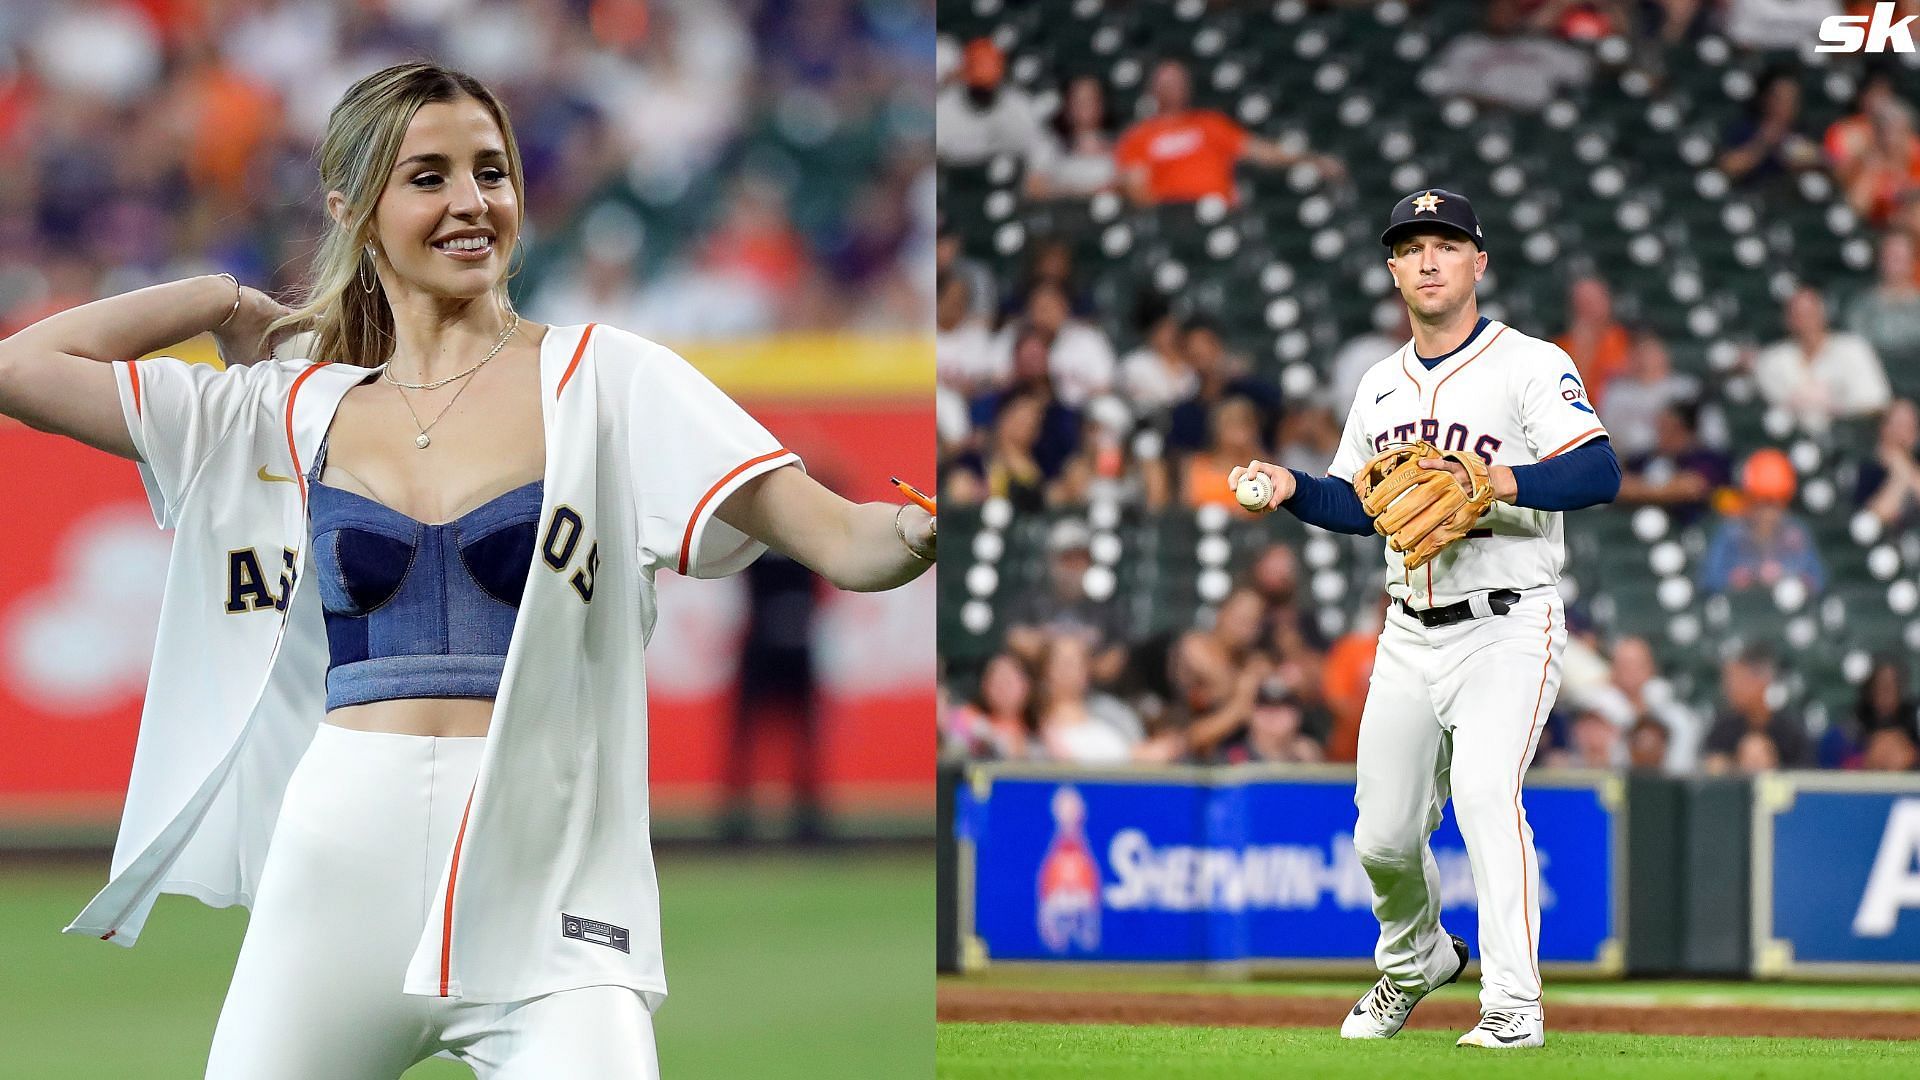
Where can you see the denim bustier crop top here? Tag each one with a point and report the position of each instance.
(416, 610)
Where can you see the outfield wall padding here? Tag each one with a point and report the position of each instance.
(1250, 869)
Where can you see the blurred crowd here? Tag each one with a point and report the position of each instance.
(692, 169)
(1260, 683)
(1039, 406)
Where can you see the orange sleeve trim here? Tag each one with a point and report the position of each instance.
(1576, 441)
(446, 923)
(299, 474)
(578, 350)
(133, 377)
(686, 541)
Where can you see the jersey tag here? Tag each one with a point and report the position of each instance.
(599, 933)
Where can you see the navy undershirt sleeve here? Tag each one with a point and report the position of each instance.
(1329, 503)
(1586, 476)
(1582, 477)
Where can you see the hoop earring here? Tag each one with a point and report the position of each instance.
(506, 280)
(360, 275)
(520, 252)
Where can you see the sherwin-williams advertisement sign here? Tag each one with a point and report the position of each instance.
(1244, 864)
(1836, 868)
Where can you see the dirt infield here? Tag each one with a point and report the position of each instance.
(989, 1003)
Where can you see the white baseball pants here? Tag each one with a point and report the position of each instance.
(355, 860)
(1457, 707)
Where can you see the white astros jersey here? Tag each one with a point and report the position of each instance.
(550, 885)
(1512, 399)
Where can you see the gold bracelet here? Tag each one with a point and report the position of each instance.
(901, 530)
(231, 312)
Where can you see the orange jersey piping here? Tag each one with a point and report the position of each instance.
(578, 351)
(686, 541)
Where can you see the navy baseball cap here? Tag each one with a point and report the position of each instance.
(1433, 206)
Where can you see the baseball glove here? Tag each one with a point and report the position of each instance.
(1421, 511)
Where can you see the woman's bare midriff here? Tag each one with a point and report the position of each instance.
(439, 717)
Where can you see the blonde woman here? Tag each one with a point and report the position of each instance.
(398, 704)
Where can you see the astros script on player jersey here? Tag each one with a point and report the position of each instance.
(550, 883)
(1512, 399)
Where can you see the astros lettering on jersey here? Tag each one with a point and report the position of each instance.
(1512, 399)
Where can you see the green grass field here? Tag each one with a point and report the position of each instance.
(1559, 991)
(799, 965)
(1112, 1052)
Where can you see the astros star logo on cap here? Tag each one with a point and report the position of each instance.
(1427, 203)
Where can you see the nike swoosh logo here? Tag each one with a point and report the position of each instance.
(265, 475)
(1383, 397)
(1360, 1010)
(1505, 1039)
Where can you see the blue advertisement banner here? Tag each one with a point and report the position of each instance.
(1845, 887)
(1087, 868)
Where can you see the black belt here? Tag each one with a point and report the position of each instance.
(1500, 601)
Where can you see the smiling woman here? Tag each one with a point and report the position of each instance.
(426, 774)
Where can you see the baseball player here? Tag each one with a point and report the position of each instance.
(1469, 659)
(403, 722)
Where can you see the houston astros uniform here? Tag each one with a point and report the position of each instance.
(1470, 657)
(1461, 706)
(531, 880)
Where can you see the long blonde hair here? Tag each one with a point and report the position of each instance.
(348, 324)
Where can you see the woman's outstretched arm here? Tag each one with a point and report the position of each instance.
(854, 546)
(54, 375)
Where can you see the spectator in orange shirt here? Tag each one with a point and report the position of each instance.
(754, 242)
(1236, 437)
(229, 119)
(1343, 680)
(1597, 343)
(1849, 137)
(1889, 167)
(1906, 221)
(1183, 154)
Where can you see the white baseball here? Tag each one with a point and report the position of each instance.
(1254, 491)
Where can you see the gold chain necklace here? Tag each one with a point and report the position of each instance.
(387, 373)
(423, 440)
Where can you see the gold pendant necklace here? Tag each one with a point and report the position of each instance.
(423, 440)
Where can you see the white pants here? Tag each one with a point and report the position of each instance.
(1458, 707)
(356, 857)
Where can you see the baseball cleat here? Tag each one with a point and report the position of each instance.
(1507, 1029)
(1385, 1008)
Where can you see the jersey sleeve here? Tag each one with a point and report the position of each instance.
(177, 412)
(1354, 449)
(1554, 411)
(692, 446)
